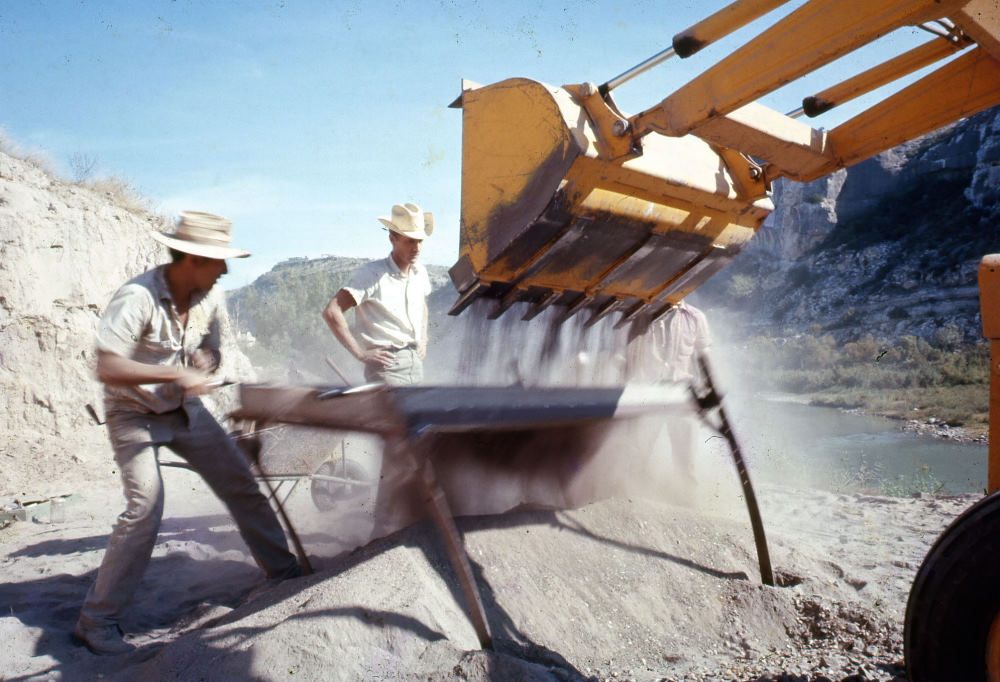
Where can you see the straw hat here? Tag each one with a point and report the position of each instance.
(201, 234)
(408, 221)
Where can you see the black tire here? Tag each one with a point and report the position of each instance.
(326, 495)
(955, 599)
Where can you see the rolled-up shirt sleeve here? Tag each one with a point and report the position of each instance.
(124, 321)
(361, 285)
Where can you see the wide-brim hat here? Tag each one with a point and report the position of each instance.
(409, 221)
(201, 234)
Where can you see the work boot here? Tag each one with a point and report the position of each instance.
(296, 570)
(105, 640)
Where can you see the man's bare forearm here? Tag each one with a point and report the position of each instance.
(333, 315)
(119, 370)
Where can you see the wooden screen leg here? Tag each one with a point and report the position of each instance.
(437, 504)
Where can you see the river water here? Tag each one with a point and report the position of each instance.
(827, 448)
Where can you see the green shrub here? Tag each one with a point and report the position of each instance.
(921, 481)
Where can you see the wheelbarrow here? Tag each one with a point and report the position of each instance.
(339, 477)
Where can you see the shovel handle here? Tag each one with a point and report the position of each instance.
(333, 365)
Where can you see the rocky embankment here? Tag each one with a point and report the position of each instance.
(65, 249)
(938, 428)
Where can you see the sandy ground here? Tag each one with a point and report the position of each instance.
(621, 589)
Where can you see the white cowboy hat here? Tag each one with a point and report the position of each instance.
(201, 234)
(408, 221)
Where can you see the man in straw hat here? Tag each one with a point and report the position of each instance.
(157, 344)
(390, 336)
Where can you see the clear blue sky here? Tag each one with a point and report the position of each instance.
(303, 121)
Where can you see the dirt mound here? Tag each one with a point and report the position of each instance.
(621, 589)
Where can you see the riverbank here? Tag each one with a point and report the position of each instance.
(933, 427)
(938, 391)
(938, 429)
(974, 433)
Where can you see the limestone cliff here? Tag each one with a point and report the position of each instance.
(889, 246)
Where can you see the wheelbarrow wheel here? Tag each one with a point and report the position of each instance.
(952, 627)
(326, 495)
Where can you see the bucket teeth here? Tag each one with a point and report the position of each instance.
(467, 297)
(603, 311)
(661, 312)
(504, 304)
(630, 314)
(575, 307)
(541, 305)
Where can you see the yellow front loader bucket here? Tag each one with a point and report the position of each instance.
(546, 218)
(566, 200)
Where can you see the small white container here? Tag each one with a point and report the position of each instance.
(57, 510)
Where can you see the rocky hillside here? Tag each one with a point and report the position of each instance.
(64, 249)
(890, 246)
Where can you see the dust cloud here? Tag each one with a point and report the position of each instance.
(547, 352)
(783, 441)
(642, 457)
(540, 352)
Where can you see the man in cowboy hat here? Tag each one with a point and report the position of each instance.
(668, 351)
(390, 336)
(157, 344)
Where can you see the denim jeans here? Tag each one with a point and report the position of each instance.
(194, 434)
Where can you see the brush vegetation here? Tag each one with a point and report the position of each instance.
(907, 378)
(119, 191)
